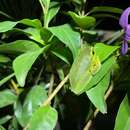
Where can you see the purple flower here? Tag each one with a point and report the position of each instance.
(126, 26)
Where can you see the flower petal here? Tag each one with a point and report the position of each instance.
(124, 48)
(124, 18)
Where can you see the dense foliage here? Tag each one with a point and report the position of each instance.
(57, 69)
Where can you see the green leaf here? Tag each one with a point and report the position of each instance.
(107, 9)
(34, 99)
(4, 119)
(123, 116)
(6, 79)
(19, 46)
(52, 12)
(23, 63)
(84, 67)
(33, 23)
(45, 118)
(34, 34)
(4, 59)
(63, 54)
(7, 98)
(105, 68)
(84, 22)
(97, 93)
(104, 51)
(69, 37)
(6, 26)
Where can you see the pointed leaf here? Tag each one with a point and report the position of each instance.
(6, 26)
(68, 37)
(23, 63)
(84, 22)
(18, 46)
(33, 23)
(97, 93)
(104, 51)
(45, 118)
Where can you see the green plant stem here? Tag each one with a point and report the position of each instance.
(39, 75)
(15, 86)
(51, 84)
(83, 8)
(57, 89)
(43, 8)
(45, 12)
(45, 21)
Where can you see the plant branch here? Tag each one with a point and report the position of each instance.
(39, 75)
(57, 89)
(51, 84)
